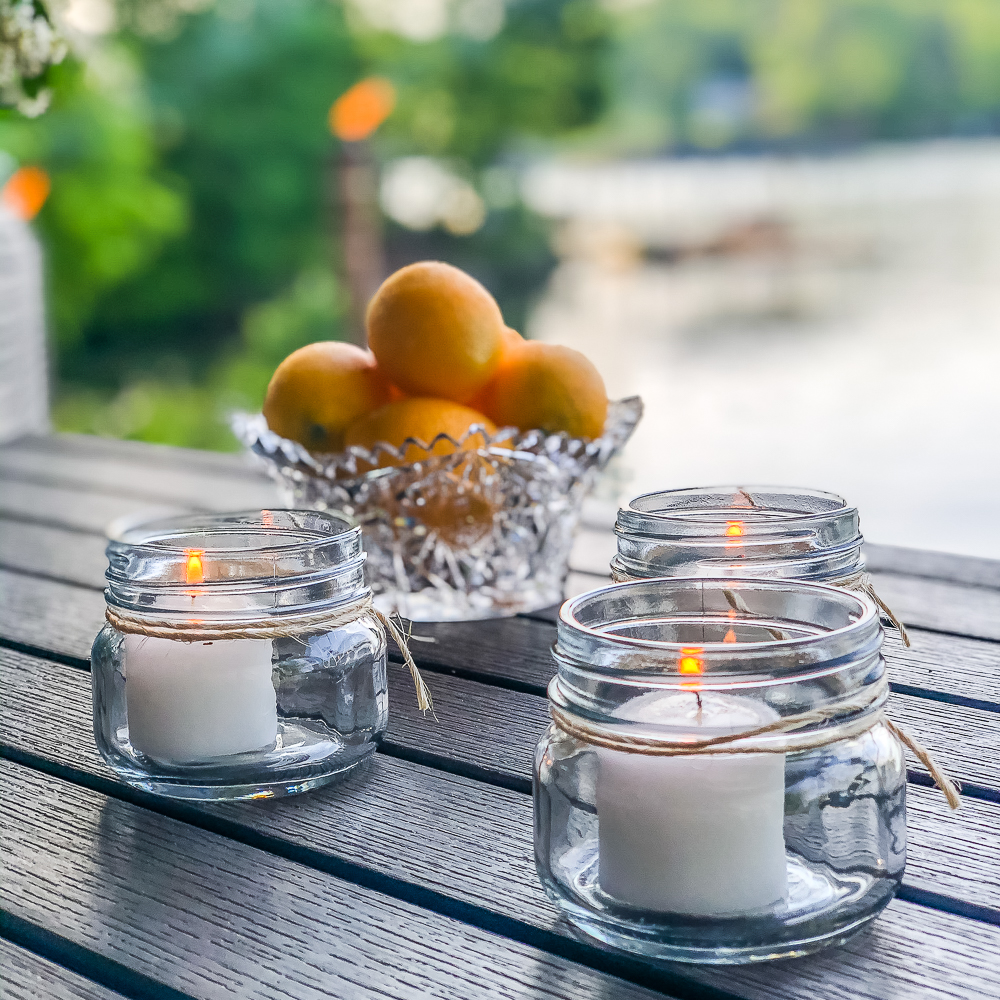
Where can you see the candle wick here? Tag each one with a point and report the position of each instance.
(697, 697)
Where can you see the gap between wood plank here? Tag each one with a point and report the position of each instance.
(467, 769)
(97, 968)
(461, 768)
(51, 577)
(361, 857)
(629, 968)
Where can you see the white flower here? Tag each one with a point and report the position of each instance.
(29, 44)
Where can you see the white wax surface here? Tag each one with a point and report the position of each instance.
(700, 835)
(194, 701)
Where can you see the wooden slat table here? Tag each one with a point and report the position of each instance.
(414, 878)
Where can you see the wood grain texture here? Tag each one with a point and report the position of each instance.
(142, 454)
(933, 604)
(927, 959)
(53, 553)
(481, 725)
(199, 485)
(47, 712)
(67, 508)
(206, 914)
(56, 617)
(938, 604)
(950, 664)
(933, 565)
(26, 976)
(518, 651)
(464, 839)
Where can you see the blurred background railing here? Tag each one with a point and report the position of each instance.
(777, 221)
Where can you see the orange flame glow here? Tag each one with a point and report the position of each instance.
(195, 570)
(267, 518)
(25, 191)
(359, 111)
(690, 661)
(730, 636)
(734, 529)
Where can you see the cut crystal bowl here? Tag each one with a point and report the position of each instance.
(480, 533)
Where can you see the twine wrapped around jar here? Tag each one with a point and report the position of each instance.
(736, 743)
(286, 627)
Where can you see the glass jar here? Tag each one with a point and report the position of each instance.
(744, 848)
(241, 658)
(782, 532)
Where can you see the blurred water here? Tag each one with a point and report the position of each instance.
(832, 323)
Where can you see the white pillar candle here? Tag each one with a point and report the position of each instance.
(194, 701)
(701, 834)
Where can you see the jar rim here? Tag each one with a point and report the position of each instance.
(270, 558)
(868, 613)
(155, 534)
(686, 515)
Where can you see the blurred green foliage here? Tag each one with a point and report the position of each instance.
(819, 72)
(192, 229)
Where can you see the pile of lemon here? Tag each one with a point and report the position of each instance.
(441, 360)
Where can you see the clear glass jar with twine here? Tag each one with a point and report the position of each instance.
(786, 533)
(720, 782)
(242, 657)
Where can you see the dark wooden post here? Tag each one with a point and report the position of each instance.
(363, 260)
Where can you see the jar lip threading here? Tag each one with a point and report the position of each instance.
(868, 614)
(271, 560)
(684, 515)
(155, 535)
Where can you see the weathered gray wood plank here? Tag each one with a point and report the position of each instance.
(26, 976)
(933, 565)
(937, 604)
(64, 619)
(67, 508)
(55, 553)
(464, 839)
(200, 485)
(48, 713)
(205, 913)
(598, 515)
(918, 959)
(57, 617)
(479, 725)
(102, 467)
(140, 453)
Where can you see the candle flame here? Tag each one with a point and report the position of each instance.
(734, 529)
(195, 569)
(730, 636)
(690, 661)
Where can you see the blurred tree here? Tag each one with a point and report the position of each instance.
(188, 227)
(720, 72)
(111, 207)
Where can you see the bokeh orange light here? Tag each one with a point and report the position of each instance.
(25, 191)
(359, 111)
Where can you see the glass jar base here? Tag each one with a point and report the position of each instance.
(267, 786)
(666, 951)
(821, 908)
